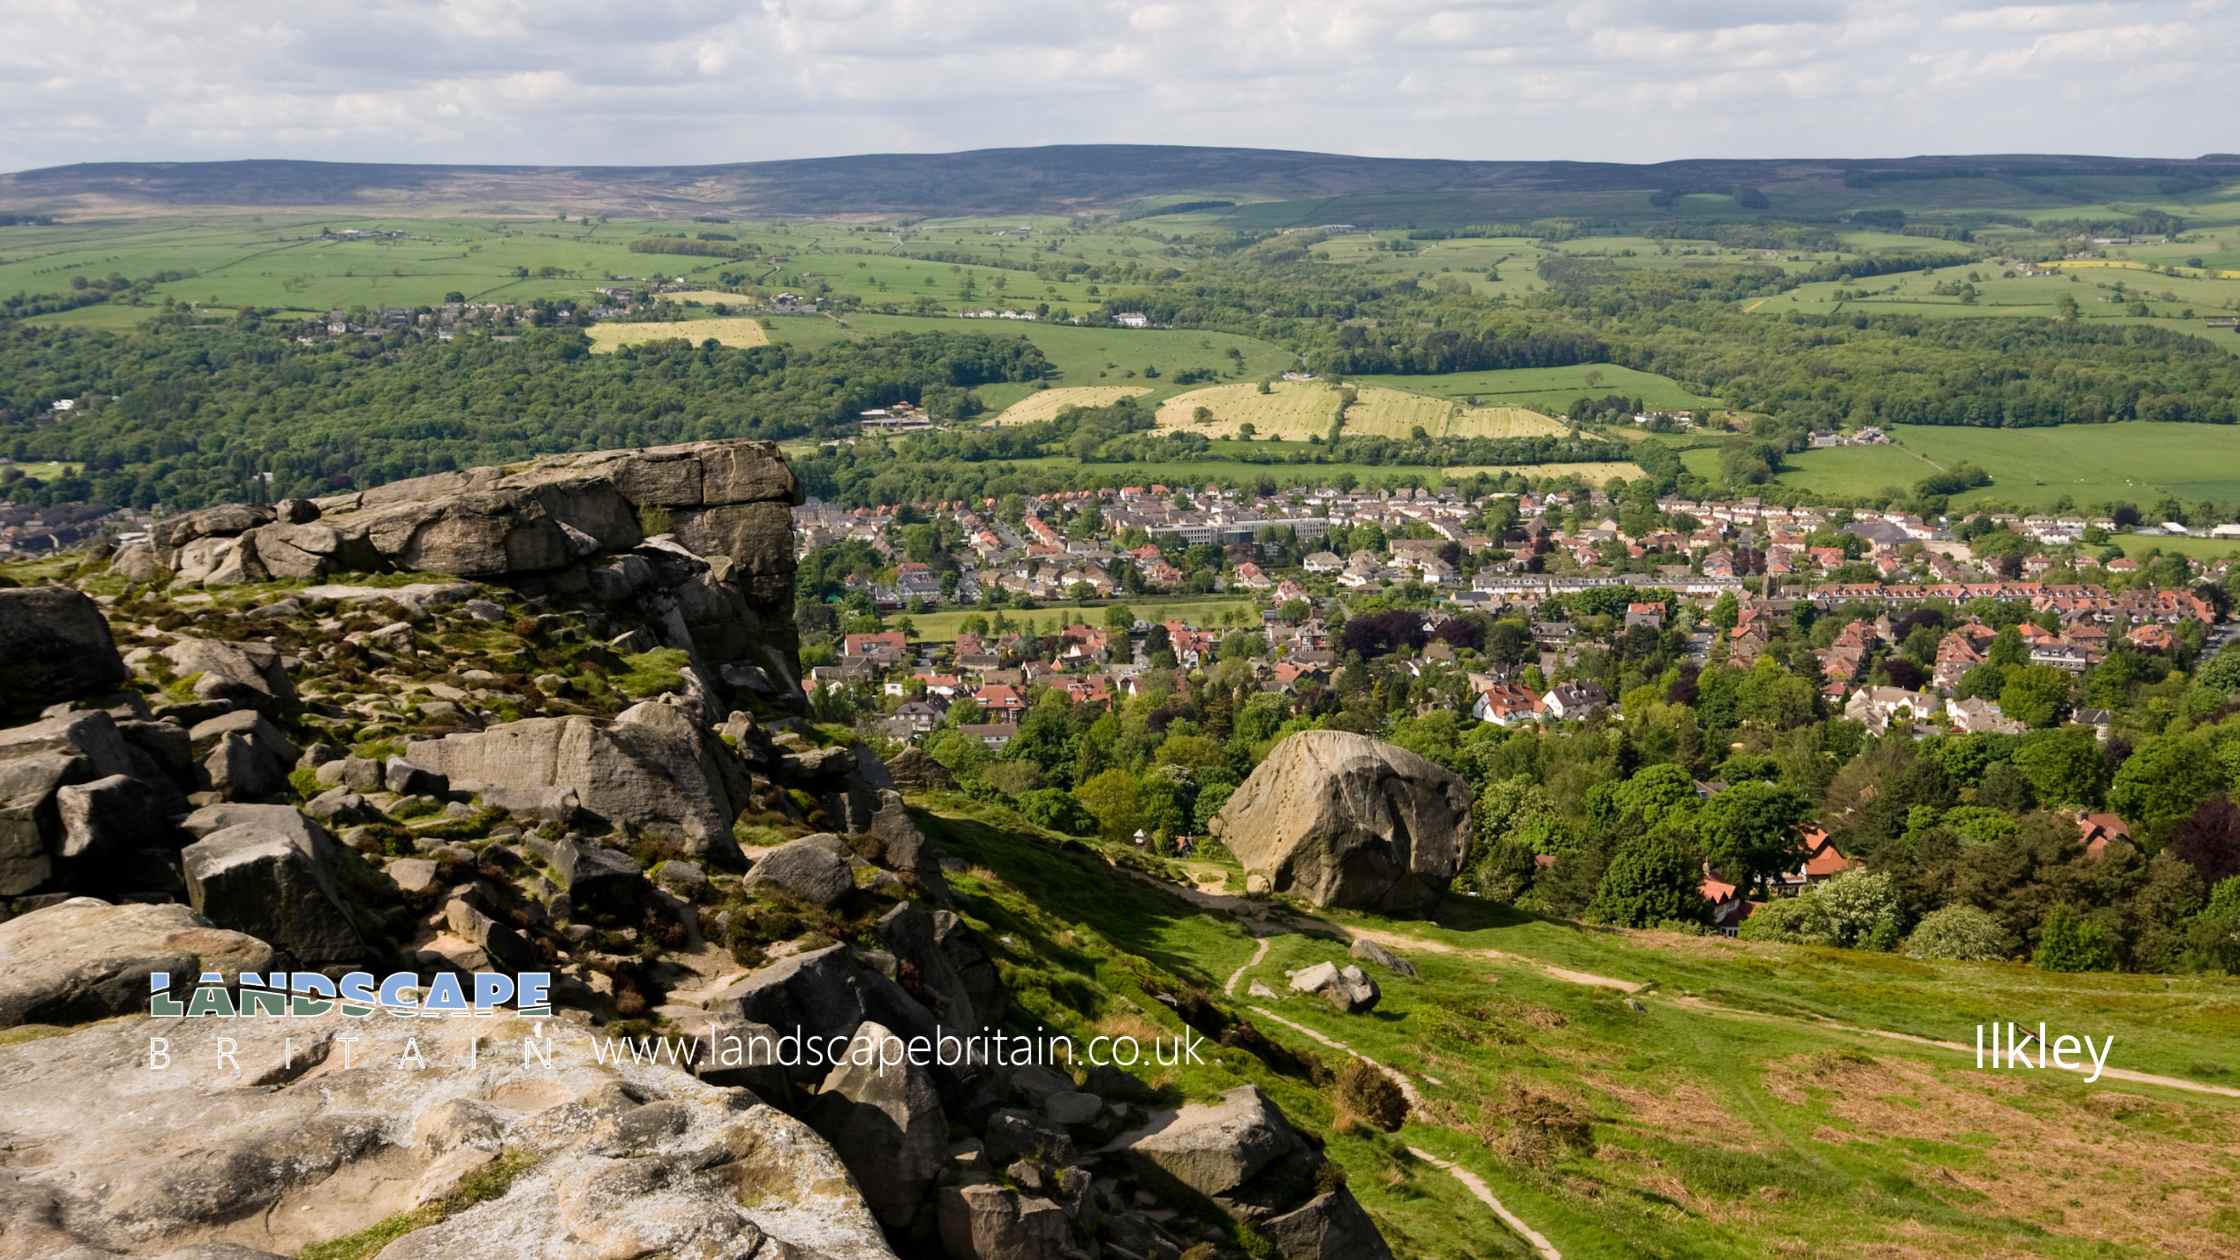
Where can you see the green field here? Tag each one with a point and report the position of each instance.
(2193, 548)
(45, 470)
(2032, 468)
(943, 627)
(1550, 390)
(2100, 293)
(1741, 1102)
(282, 261)
(1148, 357)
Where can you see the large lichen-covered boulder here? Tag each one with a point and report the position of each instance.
(36, 762)
(85, 959)
(271, 872)
(1239, 1152)
(54, 646)
(1345, 820)
(882, 1113)
(651, 766)
(334, 1125)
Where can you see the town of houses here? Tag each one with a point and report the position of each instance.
(1298, 559)
(1733, 580)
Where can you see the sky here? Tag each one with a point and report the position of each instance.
(705, 81)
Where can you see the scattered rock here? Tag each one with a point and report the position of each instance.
(1348, 988)
(651, 766)
(281, 882)
(1329, 1226)
(414, 877)
(913, 769)
(242, 767)
(822, 993)
(406, 779)
(244, 675)
(1239, 1152)
(1369, 951)
(103, 819)
(597, 878)
(992, 1222)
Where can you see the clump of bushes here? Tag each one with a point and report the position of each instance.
(1368, 1096)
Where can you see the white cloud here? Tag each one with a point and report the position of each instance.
(682, 81)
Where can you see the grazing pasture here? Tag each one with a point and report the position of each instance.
(2113, 290)
(2087, 464)
(707, 297)
(1592, 473)
(39, 470)
(945, 626)
(731, 330)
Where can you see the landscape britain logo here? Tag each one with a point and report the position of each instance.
(357, 994)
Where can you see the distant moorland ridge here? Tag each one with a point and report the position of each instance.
(1075, 177)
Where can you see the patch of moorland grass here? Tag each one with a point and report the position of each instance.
(305, 780)
(2226, 1221)
(653, 673)
(23, 1033)
(412, 807)
(488, 1182)
(378, 749)
(472, 827)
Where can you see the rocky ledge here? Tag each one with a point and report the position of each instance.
(208, 767)
(699, 535)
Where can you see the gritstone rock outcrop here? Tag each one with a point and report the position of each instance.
(699, 534)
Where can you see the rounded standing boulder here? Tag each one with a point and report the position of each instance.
(1345, 820)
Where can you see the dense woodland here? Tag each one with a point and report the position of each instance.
(184, 415)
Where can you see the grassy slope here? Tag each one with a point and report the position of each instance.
(1719, 1133)
(2090, 463)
